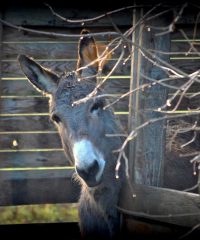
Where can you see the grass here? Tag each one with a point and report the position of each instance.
(42, 213)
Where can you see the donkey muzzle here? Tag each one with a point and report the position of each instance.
(89, 162)
(89, 174)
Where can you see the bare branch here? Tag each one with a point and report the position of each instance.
(171, 27)
(189, 232)
(90, 20)
(53, 34)
(192, 47)
(132, 135)
(191, 141)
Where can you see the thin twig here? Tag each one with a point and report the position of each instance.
(90, 20)
(189, 42)
(134, 132)
(171, 26)
(189, 232)
(191, 141)
(53, 34)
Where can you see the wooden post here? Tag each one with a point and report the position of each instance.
(147, 150)
(1, 35)
(134, 84)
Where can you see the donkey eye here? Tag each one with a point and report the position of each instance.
(96, 106)
(55, 118)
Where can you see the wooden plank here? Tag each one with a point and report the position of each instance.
(187, 103)
(187, 65)
(134, 84)
(33, 159)
(41, 50)
(37, 187)
(13, 36)
(52, 49)
(22, 87)
(40, 105)
(188, 29)
(19, 87)
(123, 119)
(31, 123)
(178, 172)
(29, 141)
(11, 68)
(44, 17)
(182, 49)
(24, 105)
(189, 16)
(150, 142)
(1, 35)
(175, 207)
(26, 123)
(117, 86)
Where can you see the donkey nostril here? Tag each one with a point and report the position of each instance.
(88, 172)
(94, 168)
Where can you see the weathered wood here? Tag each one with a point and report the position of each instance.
(161, 204)
(178, 172)
(19, 87)
(189, 16)
(29, 141)
(187, 103)
(22, 87)
(183, 49)
(124, 121)
(1, 35)
(187, 65)
(41, 50)
(51, 49)
(150, 142)
(188, 29)
(39, 186)
(39, 105)
(11, 68)
(24, 105)
(32, 123)
(12, 35)
(134, 84)
(31, 17)
(33, 159)
(199, 186)
(26, 123)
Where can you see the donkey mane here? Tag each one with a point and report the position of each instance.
(83, 129)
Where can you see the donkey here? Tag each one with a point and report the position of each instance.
(83, 128)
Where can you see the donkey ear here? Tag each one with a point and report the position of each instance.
(87, 53)
(43, 79)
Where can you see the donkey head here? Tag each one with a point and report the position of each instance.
(82, 126)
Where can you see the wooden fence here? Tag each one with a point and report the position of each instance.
(33, 167)
(32, 158)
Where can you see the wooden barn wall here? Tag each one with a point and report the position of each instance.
(31, 155)
(187, 60)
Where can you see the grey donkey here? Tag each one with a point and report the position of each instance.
(83, 127)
